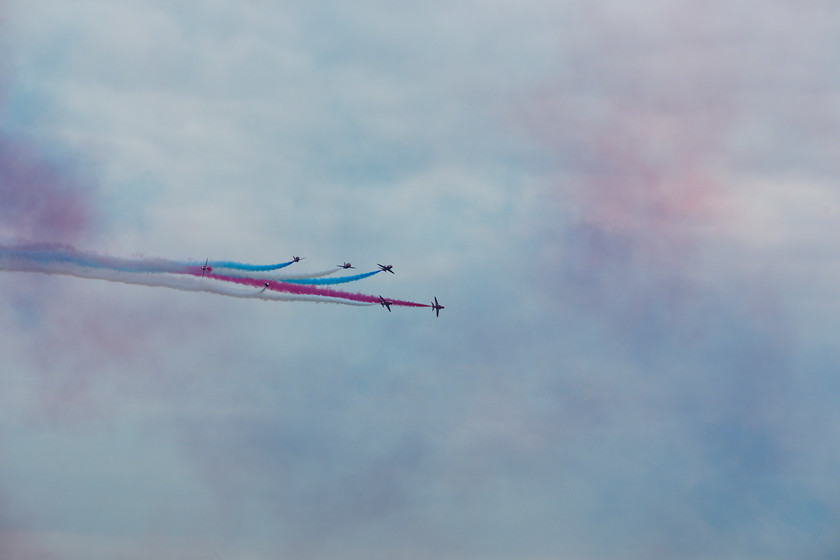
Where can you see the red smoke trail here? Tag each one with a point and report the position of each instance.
(302, 289)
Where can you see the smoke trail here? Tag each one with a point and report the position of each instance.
(314, 281)
(279, 277)
(300, 289)
(54, 254)
(245, 266)
(63, 259)
(181, 282)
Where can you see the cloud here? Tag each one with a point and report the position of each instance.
(643, 129)
(41, 201)
(18, 545)
(628, 341)
(17, 541)
(44, 197)
(655, 202)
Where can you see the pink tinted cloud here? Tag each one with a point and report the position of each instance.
(40, 200)
(649, 126)
(17, 542)
(635, 125)
(105, 346)
(640, 196)
(652, 113)
(648, 177)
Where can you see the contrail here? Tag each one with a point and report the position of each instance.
(323, 281)
(186, 283)
(186, 276)
(55, 254)
(280, 277)
(47, 255)
(245, 266)
(302, 289)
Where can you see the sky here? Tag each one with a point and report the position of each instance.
(628, 210)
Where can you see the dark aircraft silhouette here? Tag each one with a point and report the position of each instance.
(265, 287)
(437, 307)
(204, 268)
(386, 268)
(345, 265)
(385, 303)
(297, 259)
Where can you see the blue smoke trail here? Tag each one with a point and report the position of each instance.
(61, 254)
(61, 259)
(54, 253)
(245, 266)
(341, 280)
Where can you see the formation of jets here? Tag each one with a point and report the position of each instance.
(383, 267)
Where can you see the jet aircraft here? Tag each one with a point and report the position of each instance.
(437, 307)
(265, 287)
(385, 303)
(204, 268)
(386, 268)
(297, 259)
(345, 265)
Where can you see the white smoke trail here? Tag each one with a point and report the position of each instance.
(162, 280)
(276, 276)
